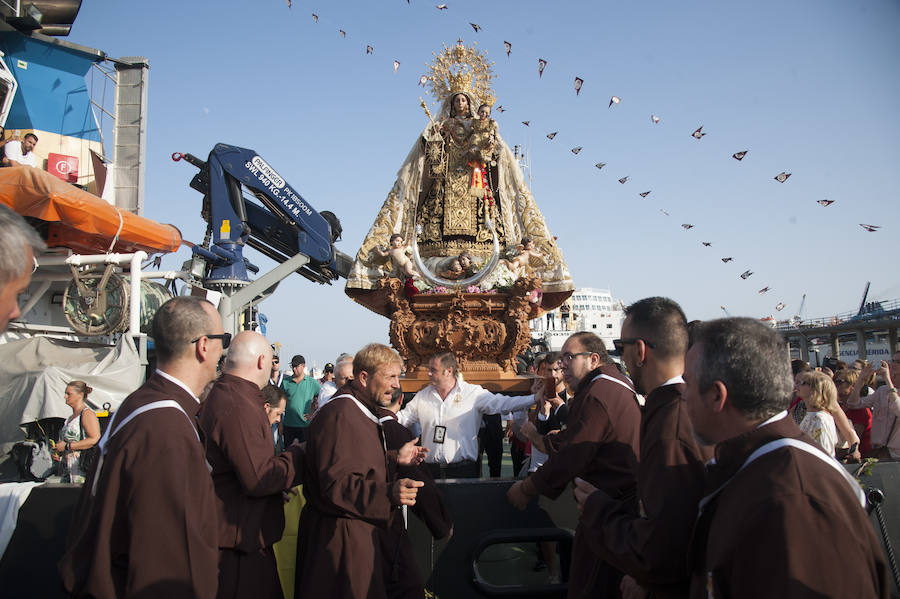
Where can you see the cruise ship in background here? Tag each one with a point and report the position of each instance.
(588, 309)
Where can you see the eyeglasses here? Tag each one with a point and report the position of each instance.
(275, 360)
(567, 357)
(620, 344)
(225, 337)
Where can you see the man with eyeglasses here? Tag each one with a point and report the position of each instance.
(599, 445)
(248, 478)
(780, 517)
(885, 405)
(650, 547)
(276, 377)
(143, 525)
(19, 243)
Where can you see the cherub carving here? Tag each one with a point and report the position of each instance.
(399, 258)
(520, 264)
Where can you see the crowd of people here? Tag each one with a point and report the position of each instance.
(692, 477)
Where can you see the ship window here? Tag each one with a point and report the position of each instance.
(609, 326)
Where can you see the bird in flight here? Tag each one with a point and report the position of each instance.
(739, 155)
(541, 65)
(727, 260)
(664, 212)
(576, 150)
(782, 177)
(370, 49)
(687, 226)
(698, 133)
(614, 100)
(501, 109)
(526, 123)
(600, 165)
(423, 80)
(706, 244)
(746, 274)
(508, 47)
(825, 203)
(654, 118)
(578, 83)
(780, 306)
(441, 6)
(476, 27)
(870, 228)
(342, 32)
(396, 65)
(315, 18)
(552, 135)
(763, 290)
(644, 194)
(622, 180)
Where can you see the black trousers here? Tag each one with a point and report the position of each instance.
(490, 440)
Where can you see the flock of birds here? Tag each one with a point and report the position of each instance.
(697, 134)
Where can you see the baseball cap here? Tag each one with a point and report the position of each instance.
(328, 367)
(297, 360)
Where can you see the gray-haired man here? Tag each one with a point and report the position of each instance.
(19, 242)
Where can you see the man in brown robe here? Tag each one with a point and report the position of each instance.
(247, 475)
(402, 577)
(651, 548)
(348, 491)
(780, 518)
(599, 445)
(144, 525)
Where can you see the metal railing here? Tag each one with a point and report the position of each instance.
(889, 310)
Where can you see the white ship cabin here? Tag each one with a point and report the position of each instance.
(587, 309)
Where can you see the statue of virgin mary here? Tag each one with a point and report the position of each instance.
(459, 187)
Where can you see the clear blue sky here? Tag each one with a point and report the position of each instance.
(810, 87)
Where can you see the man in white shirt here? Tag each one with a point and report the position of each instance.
(449, 412)
(19, 153)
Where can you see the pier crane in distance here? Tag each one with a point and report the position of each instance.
(282, 226)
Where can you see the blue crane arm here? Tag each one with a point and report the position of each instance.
(282, 227)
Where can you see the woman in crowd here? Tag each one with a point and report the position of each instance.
(820, 398)
(861, 418)
(79, 434)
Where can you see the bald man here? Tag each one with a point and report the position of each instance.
(247, 476)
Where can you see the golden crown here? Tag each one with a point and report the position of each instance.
(461, 69)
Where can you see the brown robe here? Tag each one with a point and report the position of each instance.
(248, 479)
(599, 445)
(787, 525)
(652, 547)
(401, 572)
(348, 497)
(150, 530)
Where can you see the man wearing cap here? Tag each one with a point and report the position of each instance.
(301, 390)
(327, 384)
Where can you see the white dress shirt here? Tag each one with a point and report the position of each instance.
(461, 413)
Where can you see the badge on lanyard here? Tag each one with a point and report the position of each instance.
(439, 433)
